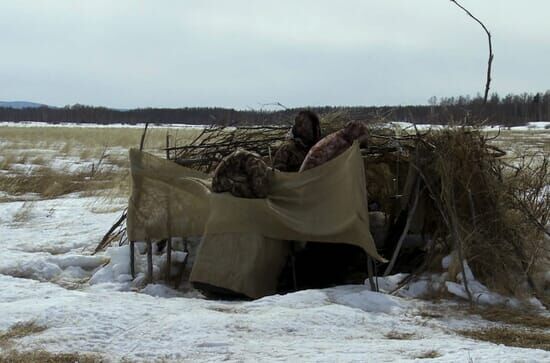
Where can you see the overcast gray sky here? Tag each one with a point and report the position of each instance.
(239, 53)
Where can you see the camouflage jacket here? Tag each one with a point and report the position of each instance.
(333, 145)
(242, 173)
(290, 155)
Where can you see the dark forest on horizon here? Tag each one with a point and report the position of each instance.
(508, 111)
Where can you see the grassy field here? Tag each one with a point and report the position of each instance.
(48, 162)
(52, 161)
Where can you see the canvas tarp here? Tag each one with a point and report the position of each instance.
(246, 263)
(324, 204)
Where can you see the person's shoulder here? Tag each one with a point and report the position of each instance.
(329, 139)
(290, 143)
(287, 146)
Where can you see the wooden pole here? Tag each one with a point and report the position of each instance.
(149, 261)
(168, 258)
(132, 260)
(181, 272)
(179, 277)
(294, 280)
(142, 141)
(370, 272)
(405, 229)
(167, 146)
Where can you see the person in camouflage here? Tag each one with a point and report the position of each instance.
(335, 144)
(303, 135)
(242, 173)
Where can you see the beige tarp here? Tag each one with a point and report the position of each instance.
(247, 263)
(324, 204)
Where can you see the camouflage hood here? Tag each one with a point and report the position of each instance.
(306, 130)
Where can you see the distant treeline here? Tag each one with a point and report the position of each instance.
(509, 110)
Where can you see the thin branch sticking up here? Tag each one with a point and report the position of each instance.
(389, 268)
(491, 55)
(142, 142)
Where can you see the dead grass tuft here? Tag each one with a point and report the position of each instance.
(513, 337)
(72, 139)
(399, 335)
(43, 356)
(50, 183)
(428, 314)
(429, 354)
(23, 214)
(7, 160)
(20, 330)
(66, 148)
(512, 317)
(39, 160)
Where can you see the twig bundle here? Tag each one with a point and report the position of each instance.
(216, 142)
(490, 212)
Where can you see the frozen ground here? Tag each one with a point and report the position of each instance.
(45, 267)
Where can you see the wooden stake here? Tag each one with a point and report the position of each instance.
(142, 141)
(168, 258)
(405, 229)
(294, 280)
(179, 277)
(181, 272)
(167, 146)
(149, 261)
(370, 272)
(132, 260)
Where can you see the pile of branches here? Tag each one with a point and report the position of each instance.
(215, 142)
(488, 209)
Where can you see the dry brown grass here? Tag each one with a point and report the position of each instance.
(20, 330)
(23, 214)
(50, 183)
(41, 145)
(39, 160)
(512, 316)
(429, 354)
(512, 336)
(68, 138)
(7, 160)
(395, 335)
(43, 356)
(519, 328)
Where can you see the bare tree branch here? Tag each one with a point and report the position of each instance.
(491, 55)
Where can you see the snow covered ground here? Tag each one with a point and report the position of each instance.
(45, 267)
(530, 126)
(89, 304)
